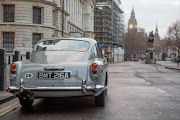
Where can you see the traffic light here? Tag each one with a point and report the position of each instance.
(146, 53)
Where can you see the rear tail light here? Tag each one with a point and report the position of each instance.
(13, 68)
(94, 71)
(94, 65)
(13, 71)
(9, 89)
(95, 88)
(13, 65)
(94, 68)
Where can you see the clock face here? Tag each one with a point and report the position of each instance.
(131, 26)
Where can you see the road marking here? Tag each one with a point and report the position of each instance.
(148, 83)
(161, 91)
(8, 108)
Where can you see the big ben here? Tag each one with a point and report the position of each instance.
(132, 24)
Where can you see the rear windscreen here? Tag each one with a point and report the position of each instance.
(62, 45)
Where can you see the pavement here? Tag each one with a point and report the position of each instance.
(5, 96)
(136, 91)
(169, 64)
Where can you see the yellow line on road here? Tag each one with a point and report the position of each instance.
(8, 109)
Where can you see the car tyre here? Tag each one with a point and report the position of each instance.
(100, 100)
(26, 103)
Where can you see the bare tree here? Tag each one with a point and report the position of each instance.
(135, 42)
(174, 36)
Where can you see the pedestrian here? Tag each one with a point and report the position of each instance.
(178, 61)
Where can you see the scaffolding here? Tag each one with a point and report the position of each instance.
(103, 29)
(109, 26)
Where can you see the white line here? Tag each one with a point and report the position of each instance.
(161, 91)
(148, 83)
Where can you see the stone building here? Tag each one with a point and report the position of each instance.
(24, 22)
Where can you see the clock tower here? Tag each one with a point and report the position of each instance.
(132, 24)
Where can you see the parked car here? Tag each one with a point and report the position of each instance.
(61, 67)
(136, 59)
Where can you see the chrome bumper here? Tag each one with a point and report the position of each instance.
(22, 89)
(84, 88)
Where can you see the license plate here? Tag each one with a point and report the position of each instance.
(54, 75)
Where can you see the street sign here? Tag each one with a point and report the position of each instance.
(101, 46)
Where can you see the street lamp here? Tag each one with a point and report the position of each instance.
(62, 18)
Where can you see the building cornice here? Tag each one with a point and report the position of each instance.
(26, 24)
(60, 8)
(90, 32)
(52, 2)
(75, 26)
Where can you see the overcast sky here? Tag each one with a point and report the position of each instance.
(150, 12)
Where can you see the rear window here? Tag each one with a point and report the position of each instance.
(63, 45)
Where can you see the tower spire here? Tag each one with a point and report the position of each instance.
(133, 13)
(133, 10)
(156, 27)
(156, 31)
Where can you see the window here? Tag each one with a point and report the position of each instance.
(8, 13)
(99, 50)
(63, 45)
(35, 39)
(54, 17)
(8, 41)
(36, 15)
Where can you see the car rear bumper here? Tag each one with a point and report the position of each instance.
(52, 91)
(57, 91)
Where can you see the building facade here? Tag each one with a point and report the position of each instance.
(24, 22)
(109, 27)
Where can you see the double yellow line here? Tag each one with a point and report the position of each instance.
(8, 108)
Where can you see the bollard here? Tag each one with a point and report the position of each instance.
(2, 69)
(16, 56)
(27, 55)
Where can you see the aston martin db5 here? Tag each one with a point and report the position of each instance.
(61, 67)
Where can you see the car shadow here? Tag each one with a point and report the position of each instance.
(61, 106)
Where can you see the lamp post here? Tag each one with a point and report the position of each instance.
(62, 18)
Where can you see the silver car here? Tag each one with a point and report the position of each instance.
(61, 67)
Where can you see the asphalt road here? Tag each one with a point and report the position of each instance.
(136, 91)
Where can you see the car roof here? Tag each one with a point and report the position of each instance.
(81, 39)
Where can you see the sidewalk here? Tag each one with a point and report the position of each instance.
(168, 64)
(5, 96)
